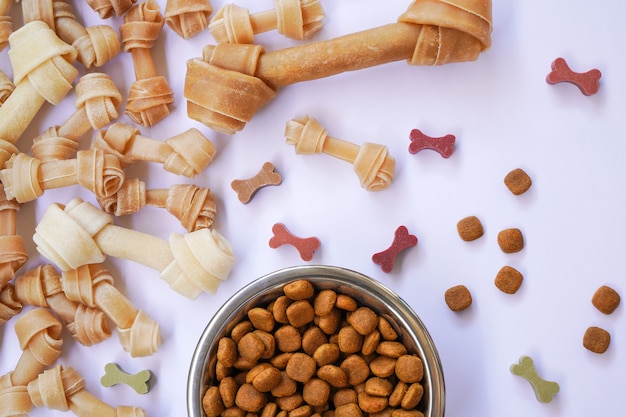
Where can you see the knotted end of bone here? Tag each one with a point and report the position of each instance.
(6, 85)
(54, 387)
(51, 146)
(142, 26)
(194, 206)
(7, 149)
(100, 97)
(193, 152)
(306, 134)
(232, 24)
(10, 306)
(129, 199)
(89, 326)
(188, 18)
(148, 100)
(14, 401)
(6, 28)
(99, 172)
(374, 167)
(116, 140)
(143, 338)
(108, 8)
(21, 178)
(39, 333)
(79, 284)
(299, 19)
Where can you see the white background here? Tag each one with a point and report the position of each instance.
(504, 116)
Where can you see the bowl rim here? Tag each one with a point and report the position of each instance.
(410, 321)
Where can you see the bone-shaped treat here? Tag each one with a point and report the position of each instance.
(443, 145)
(306, 247)
(10, 306)
(402, 240)
(150, 95)
(6, 22)
(544, 390)
(296, 19)
(187, 17)
(114, 375)
(6, 87)
(191, 263)
(13, 254)
(108, 8)
(429, 33)
(587, 82)
(246, 189)
(373, 164)
(25, 178)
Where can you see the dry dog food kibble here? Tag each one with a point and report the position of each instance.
(606, 299)
(311, 352)
(508, 280)
(511, 240)
(596, 339)
(469, 228)
(517, 181)
(458, 298)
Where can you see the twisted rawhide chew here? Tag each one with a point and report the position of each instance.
(232, 82)
(194, 206)
(25, 178)
(10, 306)
(296, 19)
(6, 23)
(188, 17)
(188, 153)
(96, 45)
(13, 253)
(108, 8)
(191, 263)
(150, 94)
(372, 162)
(64, 389)
(92, 285)
(42, 71)
(6, 87)
(41, 287)
(97, 100)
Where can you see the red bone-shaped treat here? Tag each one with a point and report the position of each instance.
(443, 145)
(587, 82)
(305, 246)
(402, 240)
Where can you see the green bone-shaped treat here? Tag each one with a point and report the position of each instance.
(115, 375)
(544, 390)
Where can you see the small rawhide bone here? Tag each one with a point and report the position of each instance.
(544, 390)
(10, 306)
(80, 233)
(443, 145)
(587, 82)
(41, 287)
(6, 87)
(93, 286)
(150, 95)
(188, 153)
(6, 22)
(402, 240)
(114, 375)
(296, 19)
(246, 189)
(373, 164)
(187, 17)
(232, 82)
(108, 8)
(96, 45)
(13, 254)
(97, 100)
(25, 178)
(306, 247)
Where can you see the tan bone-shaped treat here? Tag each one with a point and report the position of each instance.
(194, 206)
(296, 19)
(25, 178)
(150, 95)
(187, 154)
(372, 163)
(190, 263)
(6, 22)
(13, 254)
(92, 285)
(6, 87)
(188, 17)
(10, 306)
(41, 287)
(430, 32)
(108, 8)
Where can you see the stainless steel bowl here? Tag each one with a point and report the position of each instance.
(364, 289)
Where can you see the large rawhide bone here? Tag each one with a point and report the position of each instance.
(43, 71)
(10, 306)
(63, 388)
(13, 253)
(92, 285)
(96, 45)
(6, 23)
(150, 94)
(41, 287)
(372, 163)
(232, 82)
(97, 100)
(188, 17)
(194, 206)
(6, 87)
(296, 19)
(108, 8)
(25, 178)
(190, 263)
(188, 153)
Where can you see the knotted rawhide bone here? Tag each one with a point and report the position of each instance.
(13, 253)
(97, 100)
(25, 178)
(63, 388)
(96, 45)
(80, 233)
(92, 285)
(41, 287)
(194, 206)
(6, 22)
(150, 94)
(296, 19)
(232, 82)
(108, 8)
(188, 153)
(10, 306)
(6, 87)
(43, 71)
(372, 163)
(188, 17)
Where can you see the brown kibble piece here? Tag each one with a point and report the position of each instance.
(383, 366)
(288, 339)
(386, 329)
(470, 228)
(290, 402)
(596, 339)
(606, 299)
(517, 181)
(301, 367)
(334, 375)
(345, 302)
(363, 319)
(349, 340)
(348, 410)
(316, 392)
(326, 354)
(285, 387)
(395, 399)
(299, 290)
(312, 339)
(280, 360)
(379, 387)
(212, 402)
(330, 322)
(344, 396)
(300, 313)
(228, 390)
(324, 302)
(250, 347)
(356, 369)
(399, 412)
(511, 240)
(227, 352)
(409, 369)
(302, 411)
(458, 298)
(261, 319)
(268, 378)
(508, 280)
(372, 404)
(270, 410)
(413, 396)
(240, 330)
(391, 348)
(268, 342)
(233, 412)
(279, 309)
(370, 342)
(250, 399)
